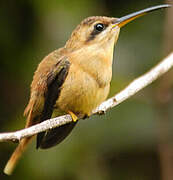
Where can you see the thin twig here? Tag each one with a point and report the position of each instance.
(130, 90)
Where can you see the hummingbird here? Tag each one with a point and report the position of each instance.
(74, 79)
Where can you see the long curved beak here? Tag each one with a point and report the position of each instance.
(130, 17)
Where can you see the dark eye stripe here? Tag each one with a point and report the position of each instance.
(97, 30)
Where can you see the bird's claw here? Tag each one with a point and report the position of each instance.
(73, 116)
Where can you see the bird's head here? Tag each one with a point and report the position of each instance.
(100, 30)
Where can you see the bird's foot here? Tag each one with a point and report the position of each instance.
(73, 116)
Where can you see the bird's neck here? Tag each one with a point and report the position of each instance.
(96, 60)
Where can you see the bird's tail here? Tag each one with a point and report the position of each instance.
(15, 157)
(12, 162)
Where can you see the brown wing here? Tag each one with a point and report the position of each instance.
(45, 89)
(55, 80)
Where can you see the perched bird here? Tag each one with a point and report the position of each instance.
(74, 79)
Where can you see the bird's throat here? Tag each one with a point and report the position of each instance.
(96, 61)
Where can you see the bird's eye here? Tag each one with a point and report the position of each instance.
(99, 27)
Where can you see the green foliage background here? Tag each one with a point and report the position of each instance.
(120, 145)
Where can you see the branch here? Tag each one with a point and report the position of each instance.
(129, 91)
